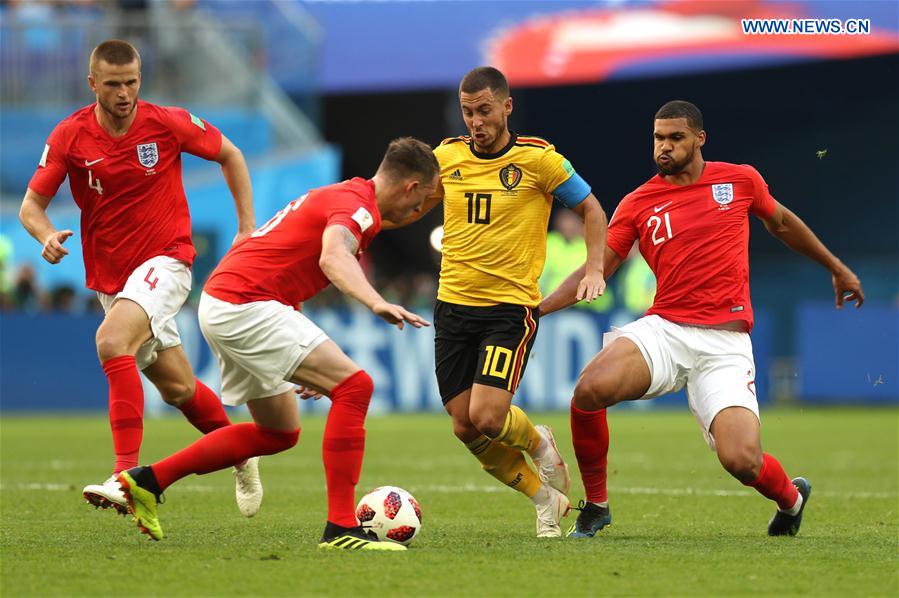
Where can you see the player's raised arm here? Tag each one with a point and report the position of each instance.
(592, 285)
(338, 262)
(566, 293)
(795, 234)
(33, 216)
(237, 175)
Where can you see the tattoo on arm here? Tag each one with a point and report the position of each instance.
(349, 240)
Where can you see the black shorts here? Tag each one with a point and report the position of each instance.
(484, 345)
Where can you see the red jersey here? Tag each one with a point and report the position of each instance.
(695, 239)
(129, 188)
(279, 261)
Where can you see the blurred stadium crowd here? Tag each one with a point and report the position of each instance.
(44, 11)
(311, 92)
(631, 291)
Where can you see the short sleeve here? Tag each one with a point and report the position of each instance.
(622, 232)
(347, 210)
(440, 152)
(441, 155)
(53, 166)
(763, 204)
(559, 179)
(195, 135)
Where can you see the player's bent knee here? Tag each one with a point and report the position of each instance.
(111, 345)
(593, 393)
(364, 382)
(489, 424)
(584, 396)
(177, 394)
(465, 431)
(354, 394)
(276, 441)
(357, 387)
(744, 463)
(292, 440)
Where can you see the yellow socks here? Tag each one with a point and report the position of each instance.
(505, 464)
(502, 457)
(518, 432)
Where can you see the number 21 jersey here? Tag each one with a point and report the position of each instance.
(696, 240)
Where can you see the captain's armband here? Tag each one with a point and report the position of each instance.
(572, 192)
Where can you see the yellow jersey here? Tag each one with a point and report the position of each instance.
(495, 213)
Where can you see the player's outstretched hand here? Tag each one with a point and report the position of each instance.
(847, 287)
(53, 250)
(307, 393)
(592, 285)
(397, 315)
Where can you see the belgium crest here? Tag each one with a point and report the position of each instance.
(510, 176)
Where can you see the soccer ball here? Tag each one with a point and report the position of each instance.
(391, 513)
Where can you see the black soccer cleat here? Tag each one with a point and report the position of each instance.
(784, 524)
(591, 519)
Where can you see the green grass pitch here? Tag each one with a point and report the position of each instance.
(681, 527)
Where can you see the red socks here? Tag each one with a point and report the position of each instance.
(590, 436)
(204, 410)
(344, 446)
(126, 410)
(222, 448)
(773, 483)
(342, 449)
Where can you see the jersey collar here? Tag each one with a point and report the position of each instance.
(513, 137)
(137, 119)
(700, 180)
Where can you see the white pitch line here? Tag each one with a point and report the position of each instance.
(658, 491)
(446, 489)
(55, 487)
(35, 486)
(704, 492)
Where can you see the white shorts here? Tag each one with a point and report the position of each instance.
(715, 365)
(160, 286)
(259, 345)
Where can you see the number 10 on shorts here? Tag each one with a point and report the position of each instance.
(497, 361)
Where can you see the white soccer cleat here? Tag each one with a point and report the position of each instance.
(106, 495)
(248, 487)
(551, 506)
(551, 467)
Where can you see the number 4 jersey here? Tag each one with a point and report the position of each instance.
(129, 188)
(696, 240)
(495, 213)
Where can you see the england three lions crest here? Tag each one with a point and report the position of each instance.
(147, 154)
(510, 176)
(724, 193)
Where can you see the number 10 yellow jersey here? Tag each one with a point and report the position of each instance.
(496, 209)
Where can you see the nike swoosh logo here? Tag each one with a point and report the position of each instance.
(91, 163)
(660, 208)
